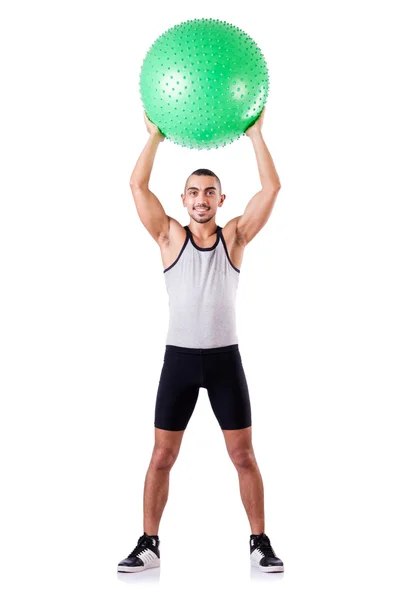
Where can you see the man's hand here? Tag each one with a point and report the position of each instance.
(153, 130)
(257, 126)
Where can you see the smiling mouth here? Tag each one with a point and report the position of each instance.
(201, 209)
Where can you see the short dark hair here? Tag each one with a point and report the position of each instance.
(205, 172)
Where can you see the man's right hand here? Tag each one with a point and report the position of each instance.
(152, 128)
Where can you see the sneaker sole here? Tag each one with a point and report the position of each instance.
(272, 569)
(152, 565)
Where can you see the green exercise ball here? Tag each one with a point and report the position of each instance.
(203, 83)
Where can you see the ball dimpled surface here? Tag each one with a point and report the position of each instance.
(203, 83)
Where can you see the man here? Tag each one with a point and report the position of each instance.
(201, 268)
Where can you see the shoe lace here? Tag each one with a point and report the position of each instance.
(143, 543)
(265, 547)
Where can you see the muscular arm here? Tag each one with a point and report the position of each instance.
(150, 209)
(261, 204)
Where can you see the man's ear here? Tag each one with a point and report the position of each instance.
(183, 198)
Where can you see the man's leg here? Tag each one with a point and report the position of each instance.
(155, 495)
(241, 452)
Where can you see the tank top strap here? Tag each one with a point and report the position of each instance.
(216, 243)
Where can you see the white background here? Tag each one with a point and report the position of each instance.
(84, 310)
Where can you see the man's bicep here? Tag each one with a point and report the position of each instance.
(256, 214)
(151, 212)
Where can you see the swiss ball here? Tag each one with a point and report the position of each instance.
(203, 83)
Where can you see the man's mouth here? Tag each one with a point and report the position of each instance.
(201, 210)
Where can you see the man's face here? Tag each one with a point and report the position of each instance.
(202, 197)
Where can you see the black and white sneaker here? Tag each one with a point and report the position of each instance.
(263, 556)
(145, 555)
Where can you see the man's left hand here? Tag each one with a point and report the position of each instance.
(257, 126)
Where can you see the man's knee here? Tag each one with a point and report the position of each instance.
(243, 458)
(163, 458)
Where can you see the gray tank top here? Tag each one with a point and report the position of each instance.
(202, 285)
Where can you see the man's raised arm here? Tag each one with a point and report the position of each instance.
(258, 209)
(149, 207)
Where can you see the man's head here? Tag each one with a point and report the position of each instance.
(202, 190)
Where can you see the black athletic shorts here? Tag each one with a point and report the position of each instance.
(218, 370)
